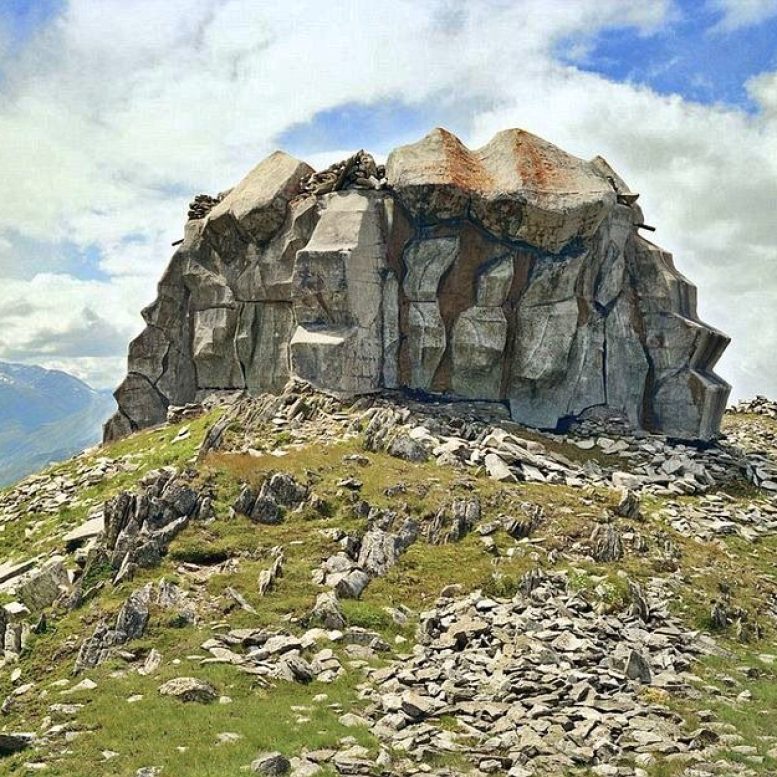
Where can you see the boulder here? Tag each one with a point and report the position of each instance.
(351, 584)
(189, 689)
(266, 510)
(497, 469)
(628, 505)
(638, 668)
(328, 612)
(403, 446)
(514, 272)
(285, 490)
(272, 764)
(44, 584)
(606, 544)
(133, 617)
(379, 552)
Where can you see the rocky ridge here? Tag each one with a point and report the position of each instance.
(514, 273)
(288, 546)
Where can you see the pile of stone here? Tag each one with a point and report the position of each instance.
(202, 204)
(540, 684)
(760, 405)
(647, 463)
(655, 464)
(717, 515)
(274, 655)
(762, 472)
(480, 435)
(48, 493)
(357, 172)
(759, 440)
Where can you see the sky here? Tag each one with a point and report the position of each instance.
(113, 113)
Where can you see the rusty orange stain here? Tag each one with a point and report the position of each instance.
(464, 170)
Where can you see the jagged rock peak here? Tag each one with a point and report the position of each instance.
(513, 273)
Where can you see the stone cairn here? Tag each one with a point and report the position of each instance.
(202, 204)
(356, 172)
(759, 405)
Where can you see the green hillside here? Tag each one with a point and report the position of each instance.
(351, 587)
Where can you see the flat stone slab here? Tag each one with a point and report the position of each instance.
(85, 531)
(10, 570)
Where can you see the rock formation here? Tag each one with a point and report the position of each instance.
(511, 273)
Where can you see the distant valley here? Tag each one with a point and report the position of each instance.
(45, 416)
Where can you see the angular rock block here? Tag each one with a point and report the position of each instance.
(256, 208)
(426, 342)
(139, 402)
(514, 272)
(479, 338)
(338, 344)
(494, 281)
(213, 349)
(262, 339)
(267, 274)
(688, 397)
(148, 352)
(518, 186)
(426, 261)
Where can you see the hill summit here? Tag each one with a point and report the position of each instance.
(512, 273)
(294, 584)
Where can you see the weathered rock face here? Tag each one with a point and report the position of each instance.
(514, 273)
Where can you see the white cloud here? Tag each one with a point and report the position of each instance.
(117, 108)
(736, 14)
(763, 89)
(58, 321)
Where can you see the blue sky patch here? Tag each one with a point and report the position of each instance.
(374, 127)
(22, 18)
(354, 125)
(29, 257)
(686, 56)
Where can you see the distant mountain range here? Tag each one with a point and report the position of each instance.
(45, 416)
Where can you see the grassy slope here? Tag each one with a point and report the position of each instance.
(150, 731)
